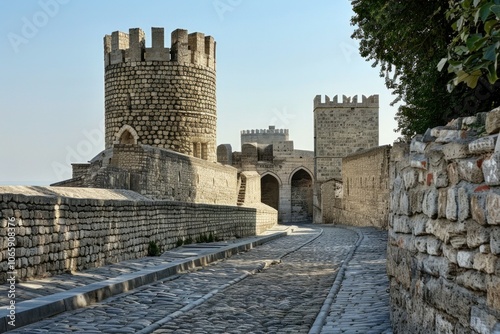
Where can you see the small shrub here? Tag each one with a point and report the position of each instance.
(153, 249)
(188, 241)
(179, 242)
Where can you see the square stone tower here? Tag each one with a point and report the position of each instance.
(340, 129)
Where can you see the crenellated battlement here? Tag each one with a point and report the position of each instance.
(371, 101)
(264, 131)
(194, 48)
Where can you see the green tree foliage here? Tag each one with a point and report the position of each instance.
(473, 52)
(408, 39)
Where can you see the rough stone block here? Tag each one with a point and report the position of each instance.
(416, 197)
(421, 244)
(485, 249)
(492, 125)
(481, 321)
(417, 145)
(430, 203)
(491, 170)
(477, 207)
(419, 224)
(493, 292)
(463, 203)
(485, 262)
(404, 204)
(465, 259)
(483, 145)
(410, 177)
(493, 208)
(419, 161)
(447, 136)
(436, 265)
(470, 170)
(495, 240)
(451, 204)
(477, 234)
(434, 246)
(455, 150)
(442, 200)
(450, 253)
(443, 325)
(473, 280)
(402, 224)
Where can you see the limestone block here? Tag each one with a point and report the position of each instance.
(434, 246)
(402, 224)
(421, 244)
(419, 224)
(456, 150)
(481, 321)
(442, 200)
(477, 234)
(470, 170)
(493, 121)
(443, 325)
(491, 169)
(465, 259)
(485, 248)
(477, 207)
(430, 203)
(493, 208)
(417, 146)
(404, 204)
(485, 262)
(473, 280)
(410, 177)
(495, 240)
(463, 203)
(483, 145)
(453, 175)
(416, 196)
(493, 292)
(436, 265)
(450, 253)
(419, 161)
(451, 204)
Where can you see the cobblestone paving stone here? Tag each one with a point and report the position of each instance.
(283, 298)
(362, 303)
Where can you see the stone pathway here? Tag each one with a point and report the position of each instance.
(278, 287)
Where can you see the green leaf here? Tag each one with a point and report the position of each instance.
(441, 64)
(496, 10)
(475, 42)
(488, 25)
(492, 73)
(490, 53)
(485, 11)
(476, 2)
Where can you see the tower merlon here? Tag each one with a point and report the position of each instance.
(371, 101)
(194, 48)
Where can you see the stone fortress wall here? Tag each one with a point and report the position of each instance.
(164, 97)
(443, 256)
(362, 197)
(340, 129)
(286, 174)
(72, 229)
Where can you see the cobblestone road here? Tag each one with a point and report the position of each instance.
(279, 287)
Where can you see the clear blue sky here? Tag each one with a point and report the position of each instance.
(273, 58)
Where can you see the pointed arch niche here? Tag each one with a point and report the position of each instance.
(126, 135)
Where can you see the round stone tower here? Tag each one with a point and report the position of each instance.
(159, 96)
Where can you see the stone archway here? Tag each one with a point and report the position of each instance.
(270, 191)
(302, 196)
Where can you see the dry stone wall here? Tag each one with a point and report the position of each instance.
(62, 229)
(444, 237)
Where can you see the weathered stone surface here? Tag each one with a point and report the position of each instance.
(421, 244)
(410, 177)
(465, 259)
(491, 169)
(451, 204)
(477, 207)
(483, 145)
(434, 246)
(463, 203)
(481, 321)
(419, 161)
(470, 170)
(455, 150)
(473, 280)
(493, 208)
(417, 145)
(442, 200)
(485, 262)
(453, 176)
(493, 121)
(402, 224)
(476, 234)
(450, 253)
(493, 292)
(495, 240)
(419, 224)
(430, 203)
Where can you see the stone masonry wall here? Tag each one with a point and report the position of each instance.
(61, 229)
(444, 238)
(161, 96)
(365, 198)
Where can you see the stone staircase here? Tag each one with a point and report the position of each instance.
(241, 194)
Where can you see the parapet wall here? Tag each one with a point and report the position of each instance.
(72, 229)
(264, 136)
(443, 256)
